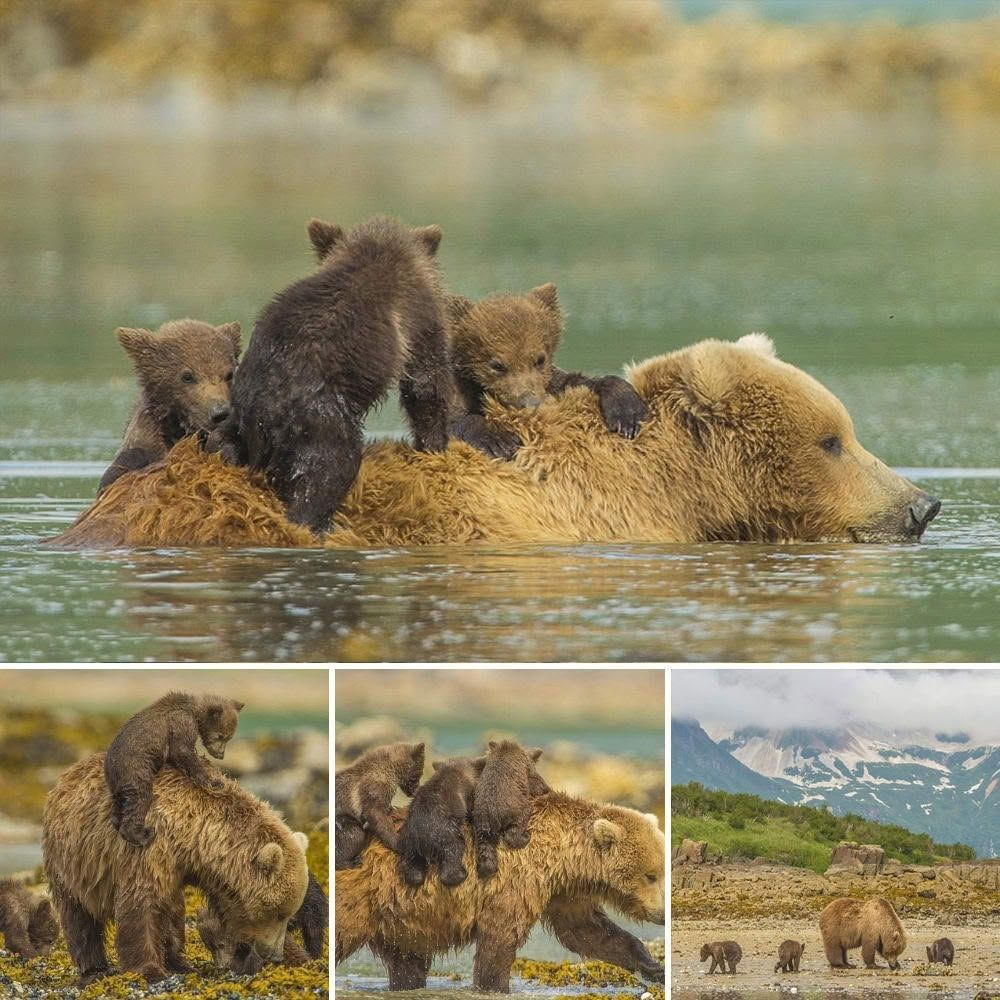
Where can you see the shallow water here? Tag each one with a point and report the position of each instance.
(870, 257)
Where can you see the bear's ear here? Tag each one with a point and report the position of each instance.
(652, 819)
(436, 765)
(429, 237)
(301, 839)
(759, 343)
(606, 833)
(457, 306)
(233, 332)
(269, 858)
(137, 342)
(417, 751)
(324, 236)
(478, 763)
(534, 752)
(547, 295)
(238, 705)
(493, 744)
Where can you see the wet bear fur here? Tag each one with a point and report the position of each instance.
(434, 831)
(185, 372)
(327, 349)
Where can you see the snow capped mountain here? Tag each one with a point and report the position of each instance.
(934, 783)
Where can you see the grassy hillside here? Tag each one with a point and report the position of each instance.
(745, 826)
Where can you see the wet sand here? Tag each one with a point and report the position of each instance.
(976, 967)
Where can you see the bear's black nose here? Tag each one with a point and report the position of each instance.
(219, 413)
(923, 510)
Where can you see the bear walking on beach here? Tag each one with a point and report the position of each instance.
(327, 349)
(502, 803)
(185, 371)
(871, 925)
(941, 950)
(722, 952)
(27, 921)
(434, 831)
(502, 347)
(789, 955)
(364, 794)
(164, 733)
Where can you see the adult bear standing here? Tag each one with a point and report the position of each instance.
(871, 925)
(327, 349)
(235, 848)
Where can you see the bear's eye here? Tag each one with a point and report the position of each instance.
(540, 361)
(229, 376)
(652, 877)
(831, 445)
(188, 377)
(499, 367)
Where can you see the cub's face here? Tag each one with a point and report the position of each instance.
(631, 848)
(504, 344)
(42, 927)
(217, 725)
(186, 369)
(413, 768)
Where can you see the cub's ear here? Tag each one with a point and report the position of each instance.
(430, 237)
(534, 752)
(301, 839)
(606, 833)
(547, 295)
(457, 306)
(435, 765)
(478, 763)
(324, 236)
(493, 744)
(269, 858)
(417, 751)
(136, 342)
(233, 332)
(238, 705)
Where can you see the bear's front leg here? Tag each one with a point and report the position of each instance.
(494, 442)
(348, 842)
(407, 971)
(425, 389)
(140, 931)
(84, 937)
(495, 953)
(380, 823)
(173, 945)
(188, 762)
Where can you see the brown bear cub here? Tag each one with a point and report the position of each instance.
(27, 922)
(502, 803)
(185, 371)
(364, 794)
(722, 952)
(311, 919)
(502, 347)
(789, 955)
(327, 349)
(161, 734)
(941, 951)
(434, 831)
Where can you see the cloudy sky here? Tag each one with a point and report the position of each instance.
(903, 700)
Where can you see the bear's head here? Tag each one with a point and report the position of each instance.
(43, 930)
(892, 943)
(630, 849)
(330, 241)
(217, 721)
(706, 950)
(521, 758)
(504, 344)
(410, 766)
(185, 370)
(773, 451)
(248, 923)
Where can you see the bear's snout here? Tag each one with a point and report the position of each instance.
(922, 511)
(218, 413)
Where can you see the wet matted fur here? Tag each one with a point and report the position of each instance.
(738, 446)
(581, 856)
(230, 844)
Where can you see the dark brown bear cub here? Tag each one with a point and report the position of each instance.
(185, 371)
(722, 952)
(502, 347)
(502, 805)
(434, 831)
(27, 922)
(161, 734)
(327, 349)
(364, 794)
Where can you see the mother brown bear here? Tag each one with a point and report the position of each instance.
(581, 855)
(738, 446)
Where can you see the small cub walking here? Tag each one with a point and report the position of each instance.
(364, 794)
(434, 831)
(161, 734)
(941, 951)
(789, 954)
(722, 952)
(27, 921)
(327, 349)
(502, 347)
(502, 805)
(185, 371)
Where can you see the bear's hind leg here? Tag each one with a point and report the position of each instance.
(134, 804)
(451, 861)
(84, 938)
(407, 971)
(140, 933)
(517, 836)
(319, 479)
(413, 870)
(486, 853)
(173, 946)
(491, 967)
